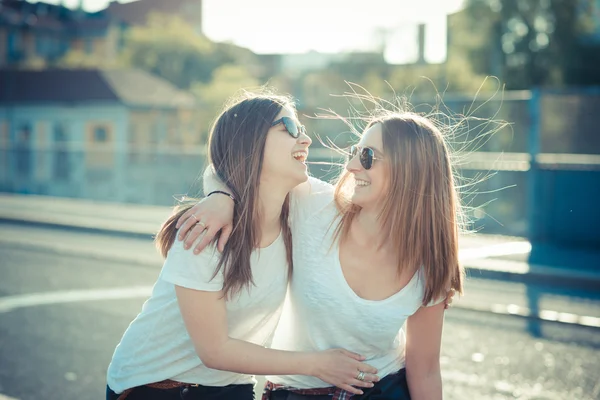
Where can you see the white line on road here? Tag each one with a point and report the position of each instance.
(10, 303)
(495, 250)
(4, 397)
(545, 315)
(75, 296)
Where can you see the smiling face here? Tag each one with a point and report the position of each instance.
(370, 186)
(284, 160)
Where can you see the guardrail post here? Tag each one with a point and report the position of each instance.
(534, 203)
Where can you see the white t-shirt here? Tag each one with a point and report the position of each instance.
(323, 312)
(156, 345)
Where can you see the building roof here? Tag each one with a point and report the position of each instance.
(40, 15)
(133, 87)
(136, 12)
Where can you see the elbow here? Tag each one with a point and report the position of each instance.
(210, 358)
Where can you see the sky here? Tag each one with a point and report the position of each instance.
(277, 26)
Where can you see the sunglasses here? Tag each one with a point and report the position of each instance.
(291, 126)
(366, 156)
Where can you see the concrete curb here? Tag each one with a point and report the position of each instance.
(151, 259)
(494, 269)
(522, 272)
(143, 221)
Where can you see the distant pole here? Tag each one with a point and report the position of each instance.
(421, 44)
(534, 203)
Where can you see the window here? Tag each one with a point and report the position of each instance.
(100, 135)
(23, 149)
(4, 150)
(61, 152)
(100, 145)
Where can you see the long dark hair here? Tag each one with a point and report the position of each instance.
(236, 149)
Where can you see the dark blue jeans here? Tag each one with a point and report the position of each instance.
(392, 387)
(231, 392)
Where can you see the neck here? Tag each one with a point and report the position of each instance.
(367, 228)
(270, 202)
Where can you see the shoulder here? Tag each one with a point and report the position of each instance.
(311, 196)
(195, 271)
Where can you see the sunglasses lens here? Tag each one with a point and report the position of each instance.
(291, 126)
(366, 158)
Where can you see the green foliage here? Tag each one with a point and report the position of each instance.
(227, 80)
(169, 47)
(532, 42)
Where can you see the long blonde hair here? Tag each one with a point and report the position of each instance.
(421, 214)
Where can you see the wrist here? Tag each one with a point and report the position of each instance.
(311, 364)
(224, 193)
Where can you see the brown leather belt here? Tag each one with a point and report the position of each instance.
(166, 384)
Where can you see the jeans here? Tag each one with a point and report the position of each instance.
(392, 387)
(231, 392)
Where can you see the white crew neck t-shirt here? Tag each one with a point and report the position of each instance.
(156, 345)
(323, 312)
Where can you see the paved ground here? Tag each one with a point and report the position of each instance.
(60, 350)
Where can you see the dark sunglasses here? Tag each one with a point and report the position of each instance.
(291, 126)
(366, 156)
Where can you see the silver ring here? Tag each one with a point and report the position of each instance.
(360, 376)
(202, 224)
(196, 218)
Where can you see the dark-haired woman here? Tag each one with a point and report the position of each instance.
(202, 333)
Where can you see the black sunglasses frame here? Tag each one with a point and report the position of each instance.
(291, 126)
(366, 157)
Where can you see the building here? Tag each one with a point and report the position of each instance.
(115, 135)
(38, 34)
(137, 12)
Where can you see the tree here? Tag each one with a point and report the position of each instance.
(226, 81)
(536, 42)
(168, 47)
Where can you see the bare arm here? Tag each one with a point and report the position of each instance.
(205, 318)
(423, 346)
(211, 215)
(216, 213)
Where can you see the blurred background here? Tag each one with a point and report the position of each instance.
(105, 108)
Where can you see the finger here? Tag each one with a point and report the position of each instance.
(364, 384)
(208, 236)
(193, 235)
(367, 369)
(184, 217)
(225, 233)
(355, 356)
(351, 389)
(187, 225)
(371, 378)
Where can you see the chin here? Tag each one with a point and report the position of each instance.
(362, 199)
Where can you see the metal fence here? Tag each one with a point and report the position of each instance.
(511, 175)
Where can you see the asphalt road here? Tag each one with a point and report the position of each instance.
(58, 343)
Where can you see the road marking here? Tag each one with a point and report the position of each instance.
(495, 250)
(75, 296)
(5, 397)
(10, 303)
(545, 315)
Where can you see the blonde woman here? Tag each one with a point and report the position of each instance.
(374, 258)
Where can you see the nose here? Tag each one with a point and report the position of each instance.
(353, 165)
(304, 139)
